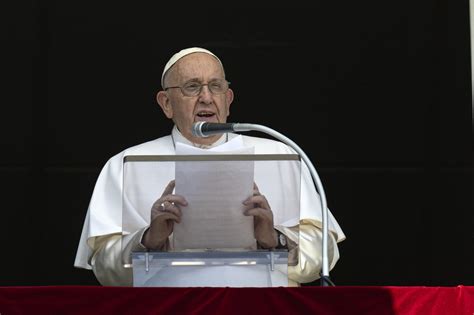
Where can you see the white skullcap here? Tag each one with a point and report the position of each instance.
(180, 55)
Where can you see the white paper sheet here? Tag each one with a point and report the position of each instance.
(215, 191)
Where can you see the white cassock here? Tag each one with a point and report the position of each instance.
(102, 247)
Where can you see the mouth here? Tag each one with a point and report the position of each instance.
(206, 116)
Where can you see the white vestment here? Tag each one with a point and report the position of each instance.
(101, 245)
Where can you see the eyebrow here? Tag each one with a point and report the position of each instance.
(193, 80)
(199, 81)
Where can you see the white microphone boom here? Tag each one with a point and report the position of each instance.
(205, 129)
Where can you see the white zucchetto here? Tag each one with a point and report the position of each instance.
(180, 55)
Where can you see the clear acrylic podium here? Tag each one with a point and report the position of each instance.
(211, 269)
(214, 245)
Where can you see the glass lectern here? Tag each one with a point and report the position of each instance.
(214, 244)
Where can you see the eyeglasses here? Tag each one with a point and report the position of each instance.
(193, 88)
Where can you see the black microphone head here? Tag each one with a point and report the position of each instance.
(204, 129)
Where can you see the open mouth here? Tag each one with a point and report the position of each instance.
(205, 116)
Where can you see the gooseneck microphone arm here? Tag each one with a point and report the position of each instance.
(203, 129)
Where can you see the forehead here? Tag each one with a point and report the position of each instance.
(200, 66)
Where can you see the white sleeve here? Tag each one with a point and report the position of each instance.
(109, 255)
(309, 252)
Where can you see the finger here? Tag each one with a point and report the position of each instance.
(165, 216)
(167, 206)
(256, 191)
(171, 199)
(160, 216)
(172, 208)
(255, 187)
(169, 188)
(248, 206)
(176, 199)
(259, 200)
(260, 213)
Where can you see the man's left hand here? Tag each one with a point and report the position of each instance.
(258, 207)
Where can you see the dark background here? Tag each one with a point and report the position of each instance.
(377, 93)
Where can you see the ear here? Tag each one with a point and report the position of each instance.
(229, 98)
(164, 101)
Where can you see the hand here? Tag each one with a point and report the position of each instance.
(164, 213)
(258, 207)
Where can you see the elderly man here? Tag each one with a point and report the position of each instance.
(195, 89)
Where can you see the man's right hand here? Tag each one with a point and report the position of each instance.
(164, 213)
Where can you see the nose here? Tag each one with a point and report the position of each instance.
(205, 96)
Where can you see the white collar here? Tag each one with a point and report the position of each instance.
(177, 136)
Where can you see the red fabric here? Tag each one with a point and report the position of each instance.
(305, 300)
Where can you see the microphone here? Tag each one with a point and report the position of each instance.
(204, 129)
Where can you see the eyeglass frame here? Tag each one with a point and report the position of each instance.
(200, 89)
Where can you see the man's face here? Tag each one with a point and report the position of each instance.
(185, 110)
